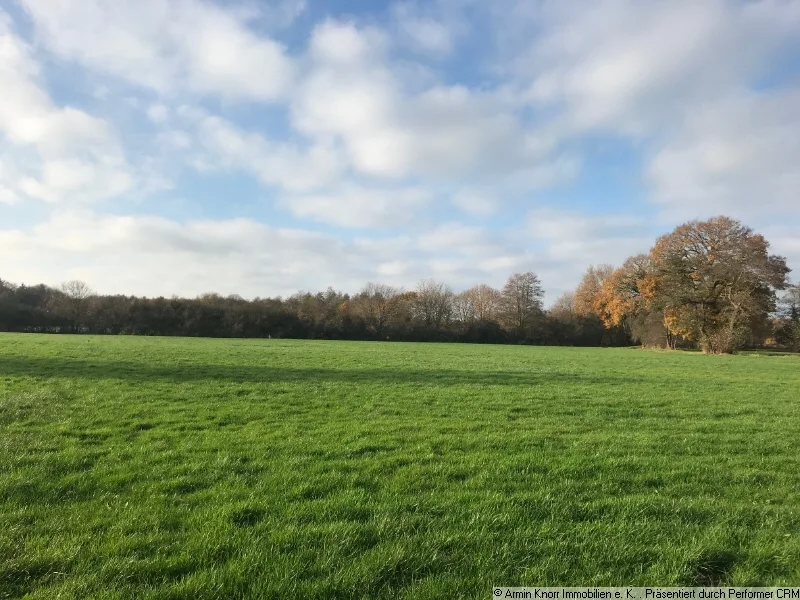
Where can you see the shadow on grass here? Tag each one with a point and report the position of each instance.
(710, 569)
(19, 579)
(146, 372)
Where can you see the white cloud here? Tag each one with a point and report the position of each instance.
(27, 114)
(455, 237)
(478, 203)
(158, 113)
(784, 241)
(353, 94)
(569, 241)
(150, 255)
(51, 153)
(7, 195)
(364, 207)
(166, 45)
(711, 144)
(550, 223)
(214, 143)
(67, 178)
(632, 66)
(355, 131)
(344, 44)
(279, 14)
(174, 140)
(737, 157)
(394, 268)
(422, 32)
(573, 240)
(155, 256)
(9, 180)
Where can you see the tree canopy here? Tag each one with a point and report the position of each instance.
(711, 282)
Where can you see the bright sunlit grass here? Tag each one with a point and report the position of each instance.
(192, 468)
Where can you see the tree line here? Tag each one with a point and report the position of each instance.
(710, 284)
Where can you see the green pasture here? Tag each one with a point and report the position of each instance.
(157, 468)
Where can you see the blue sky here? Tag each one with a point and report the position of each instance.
(161, 147)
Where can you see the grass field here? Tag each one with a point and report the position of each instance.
(189, 468)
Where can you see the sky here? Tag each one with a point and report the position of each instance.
(160, 147)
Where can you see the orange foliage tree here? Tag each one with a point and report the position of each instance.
(715, 280)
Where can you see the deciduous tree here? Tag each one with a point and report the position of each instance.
(75, 300)
(789, 314)
(627, 299)
(464, 308)
(433, 303)
(376, 304)
(563, 309)
(478, 304)
(521, 303)
(589, 289)
(714, 278)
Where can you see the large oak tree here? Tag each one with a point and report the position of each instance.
(715, 279)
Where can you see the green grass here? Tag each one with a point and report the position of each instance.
(188, 468)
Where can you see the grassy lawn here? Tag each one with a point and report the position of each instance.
(189, 468)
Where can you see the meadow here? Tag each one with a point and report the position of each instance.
(155, 468)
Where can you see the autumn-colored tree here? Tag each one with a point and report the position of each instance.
(590, 287)
(630, 299)
(610, 296)
(521, 303)
(376, 304)
(713, 279)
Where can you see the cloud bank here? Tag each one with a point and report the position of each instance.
(160, 147)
